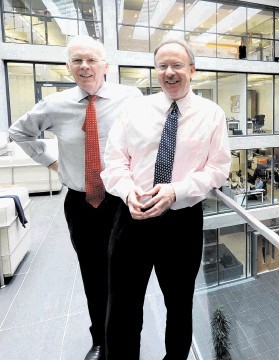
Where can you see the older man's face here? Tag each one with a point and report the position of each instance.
(88, 73)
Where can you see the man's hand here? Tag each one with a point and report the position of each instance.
(134, 202)
(163, 198)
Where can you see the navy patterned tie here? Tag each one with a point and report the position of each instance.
(166, 151)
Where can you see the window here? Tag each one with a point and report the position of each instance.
(50, 22)
(215, 29)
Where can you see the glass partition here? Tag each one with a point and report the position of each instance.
(133, 39)
(232, 99)
(17, 6)
(52, 73)
(260, 103)
(139, 77)
(214, 29)
(260, 22)
(21, 81)
(204, 84)
(17, 28)
(224, 256)
(226, 89)
(276, 104)
(51, 22)
(260, 49)
(259, 169)
(228, 46)
(233, 250)
(231, 18)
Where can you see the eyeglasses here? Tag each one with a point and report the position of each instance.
(90, 61)
(174, 67)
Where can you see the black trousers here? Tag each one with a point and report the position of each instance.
(172, 243)
(89, 231)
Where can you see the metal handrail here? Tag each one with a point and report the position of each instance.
(250, 219)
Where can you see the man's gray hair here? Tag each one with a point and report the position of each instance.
(87, 40)
(183, 43)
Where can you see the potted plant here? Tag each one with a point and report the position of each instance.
(220, 331)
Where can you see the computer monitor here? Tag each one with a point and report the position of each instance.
(233, 125)
(249, 125)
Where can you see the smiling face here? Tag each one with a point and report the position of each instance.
(87, 74)
(176, 78)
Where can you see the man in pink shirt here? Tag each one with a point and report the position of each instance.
(160, 225)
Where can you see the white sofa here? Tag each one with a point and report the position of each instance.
(17, 168)
(15, 238)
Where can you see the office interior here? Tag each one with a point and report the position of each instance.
(236, 45)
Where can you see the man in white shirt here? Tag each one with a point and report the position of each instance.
(258, 183)
(161, 226)
(63, 114)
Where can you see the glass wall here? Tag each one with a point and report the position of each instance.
(276, 103)
(260, 103)
(247, 99)
(50, 22)
(254, 177)
(213, 28)
(225, 256)
(232, 99)
(20, 81)
(204, 84)
(27, 80)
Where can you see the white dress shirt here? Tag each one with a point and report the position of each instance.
(202, 158)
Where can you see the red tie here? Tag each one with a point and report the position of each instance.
(95, 191)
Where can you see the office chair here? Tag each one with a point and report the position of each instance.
(276, 180)
(259, 123)
(264, 187)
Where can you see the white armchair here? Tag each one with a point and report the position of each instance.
(17, 168)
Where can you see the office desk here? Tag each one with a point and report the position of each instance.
(239, 195)
(253, 192)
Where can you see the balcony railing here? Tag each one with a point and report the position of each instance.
(249, 303)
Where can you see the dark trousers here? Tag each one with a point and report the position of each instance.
(172, 243)
(89, 231)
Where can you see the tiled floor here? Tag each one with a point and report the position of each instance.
(252, 306)
(43, 313)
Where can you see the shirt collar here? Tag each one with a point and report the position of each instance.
(182, 103)
(103, 92)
